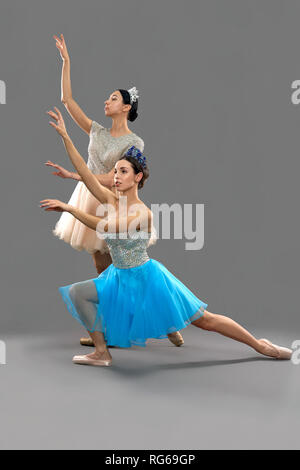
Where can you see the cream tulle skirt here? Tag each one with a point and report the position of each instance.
(74, 232)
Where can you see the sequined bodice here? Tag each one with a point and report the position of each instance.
(105, 150)
(127, 250)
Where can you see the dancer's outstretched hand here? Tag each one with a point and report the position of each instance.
(54, 205)
(62, 172)
(61, 46)
(60, 123)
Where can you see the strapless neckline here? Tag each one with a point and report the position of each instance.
(139, 231)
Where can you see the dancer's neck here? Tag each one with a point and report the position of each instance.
(132, 197)
(119, 127)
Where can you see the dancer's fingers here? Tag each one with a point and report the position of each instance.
(54, 125)
(52, 114)
(56, 38)
(58, 112)
(49, 206)
(48, 201)
(54, 117)
(53, 164)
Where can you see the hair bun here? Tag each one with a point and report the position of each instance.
(133, 114)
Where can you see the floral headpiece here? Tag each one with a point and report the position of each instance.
(133, 92)
(137, 154)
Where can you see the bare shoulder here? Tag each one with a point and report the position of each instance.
(145, 209)
(148, 217)
(143, 213)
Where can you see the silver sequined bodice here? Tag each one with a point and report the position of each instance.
(105, 150)
(127, 250)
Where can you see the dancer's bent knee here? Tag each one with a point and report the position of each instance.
(206, 322)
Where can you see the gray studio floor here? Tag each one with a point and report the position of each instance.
(212, 393)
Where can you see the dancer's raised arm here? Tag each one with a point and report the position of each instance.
(66, 91)
(101, 193)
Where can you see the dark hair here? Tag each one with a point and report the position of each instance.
(132, 114)
(137, 167)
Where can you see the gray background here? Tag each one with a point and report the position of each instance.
(219, 127)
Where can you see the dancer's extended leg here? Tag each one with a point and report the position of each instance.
(228, 327)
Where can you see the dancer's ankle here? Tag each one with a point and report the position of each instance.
(102, 351)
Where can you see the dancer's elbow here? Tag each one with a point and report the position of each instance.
(66, 100)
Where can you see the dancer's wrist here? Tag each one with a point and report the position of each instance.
(71, 209)
(66, 137)
(75, 176)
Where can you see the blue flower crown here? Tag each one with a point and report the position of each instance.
(137, 154)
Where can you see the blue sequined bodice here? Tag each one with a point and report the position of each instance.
(127, 250)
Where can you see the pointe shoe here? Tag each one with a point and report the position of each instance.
(176, 338)
(284, 353)
(90, 342)
(91, 362)
(87, 342)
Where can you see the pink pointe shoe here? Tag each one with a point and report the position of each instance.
(176, 338)
(284, 353)
(90, 362)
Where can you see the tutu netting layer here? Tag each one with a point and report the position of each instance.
(74, 232)
(134, 304)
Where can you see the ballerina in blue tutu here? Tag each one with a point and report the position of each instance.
(136, 297)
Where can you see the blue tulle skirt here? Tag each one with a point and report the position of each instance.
(134, 304)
